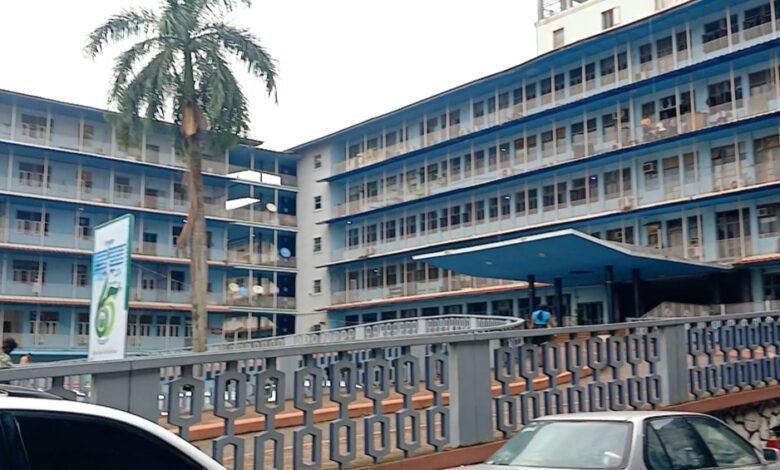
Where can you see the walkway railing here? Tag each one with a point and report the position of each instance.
(419, 326)
(419, 393)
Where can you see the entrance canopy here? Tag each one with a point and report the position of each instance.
(579, 259)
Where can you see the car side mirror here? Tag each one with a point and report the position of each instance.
(771, 455)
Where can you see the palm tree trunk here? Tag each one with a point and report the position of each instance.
(198, 248)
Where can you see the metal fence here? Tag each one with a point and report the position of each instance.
(366, 400)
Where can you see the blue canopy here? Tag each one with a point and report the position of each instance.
(578, 258)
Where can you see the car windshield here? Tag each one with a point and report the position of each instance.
(567, 444)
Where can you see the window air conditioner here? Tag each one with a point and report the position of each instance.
(650, 167)
(763, 212)
(506, 172)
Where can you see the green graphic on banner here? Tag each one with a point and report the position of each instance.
(106, 312)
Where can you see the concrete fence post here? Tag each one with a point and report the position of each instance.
(471, 399)
(673, 364)
(134, 391)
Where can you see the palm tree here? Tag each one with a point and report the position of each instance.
(180, 67)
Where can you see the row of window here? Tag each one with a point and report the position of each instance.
(531, 147)
(659, 49)
(727, 167)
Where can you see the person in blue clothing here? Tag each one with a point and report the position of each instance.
(541, 318)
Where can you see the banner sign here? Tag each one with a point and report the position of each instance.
(111, 275)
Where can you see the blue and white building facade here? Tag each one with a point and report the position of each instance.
(660, 134)
(62, 172)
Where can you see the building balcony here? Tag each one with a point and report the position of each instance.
(560, 151)
(131, 197)
(634, 71)
(58, 341)
(452, 283)
(97, 138)
(243, 255)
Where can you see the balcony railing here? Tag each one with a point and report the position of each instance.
(243, 255)
(452, 283)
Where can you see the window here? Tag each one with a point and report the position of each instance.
(317, 159)
(533, 201)
(609, 18)
(682, 41)
(80, 276)
(548, 197)
(664, 47)
(28, 271)
(83, 228)
(771, 286)
(353, 237)
(317, 244)
(757, 16)
(575, 76)
(177, 281)
(493, 208)
(720, 93)
(558, 38)
(46, 325)
(179, 194)
(32, 223)
(34, 127)
(607, 66)
(317, 203)
(768, 225)
(727, 448)
(317, 286)
(122, 186)
(520, 203)
(370, 234)
(577, 192)
(506, 206)
(390, 230)
(33, 175)
(718, 29)
(63, 440)
(645, 53)
(683, 447)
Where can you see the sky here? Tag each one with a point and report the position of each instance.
(340, 61)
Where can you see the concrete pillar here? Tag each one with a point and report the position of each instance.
(609, 291)
(636, 282)
(558, 300)
(531, 294)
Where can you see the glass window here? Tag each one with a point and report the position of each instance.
(683, 446)
(317, 286)
(567, 444)
(61, 440)
(726, 446)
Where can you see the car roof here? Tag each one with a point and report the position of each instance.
(632, 416)
(86, 409)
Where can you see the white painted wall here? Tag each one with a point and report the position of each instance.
(584, 20)
(308, 302)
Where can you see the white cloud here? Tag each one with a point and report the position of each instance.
(341, 61)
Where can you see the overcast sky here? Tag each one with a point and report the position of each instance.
(340, 61)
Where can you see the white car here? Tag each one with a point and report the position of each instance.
(43, 434)
(629, 440)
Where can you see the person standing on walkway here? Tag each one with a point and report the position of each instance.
(9, 344)
(541, 319)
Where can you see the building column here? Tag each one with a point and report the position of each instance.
(636, 282)
(531, 294)
(609, 290)
(558, 300)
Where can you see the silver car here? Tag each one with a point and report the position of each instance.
(629, 440)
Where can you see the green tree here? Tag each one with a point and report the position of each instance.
(179, 67)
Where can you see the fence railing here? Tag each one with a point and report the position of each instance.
(421, 393)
